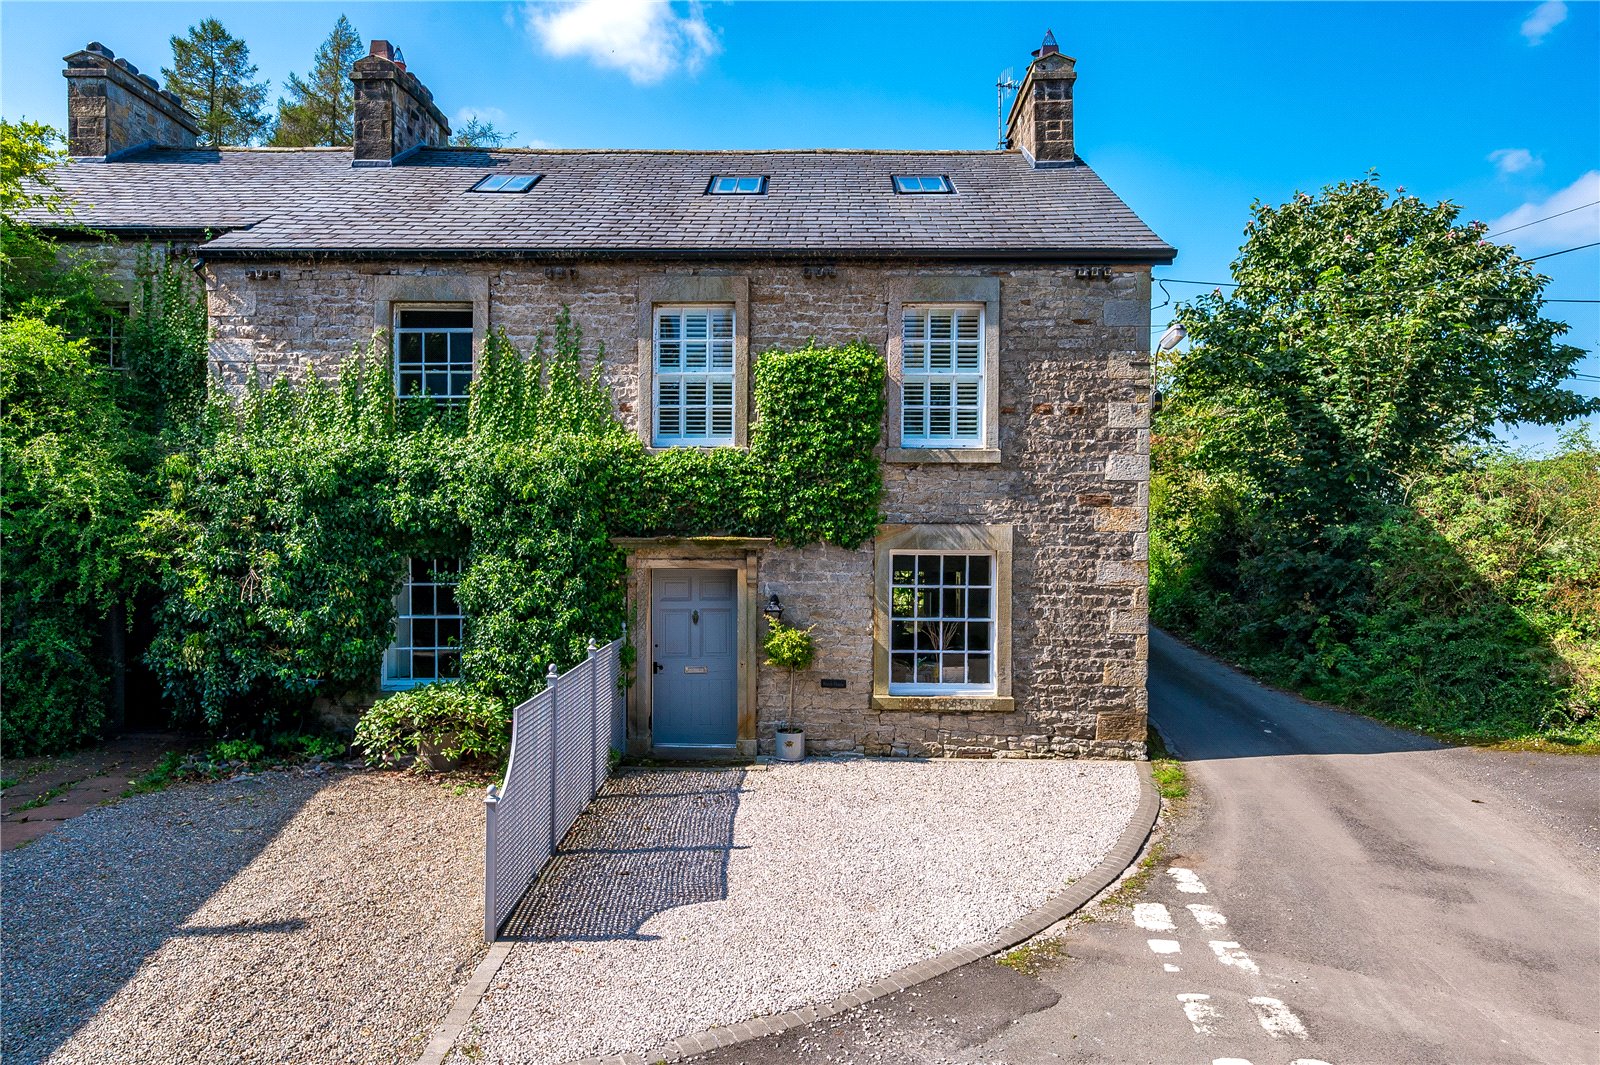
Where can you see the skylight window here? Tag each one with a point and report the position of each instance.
(507, 183)
(917, 184)
(735, 185)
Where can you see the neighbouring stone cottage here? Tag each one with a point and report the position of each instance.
(1001, 609)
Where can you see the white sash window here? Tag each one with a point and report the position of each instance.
(941, 627)
(428, 626)
(433, 353)
(942, 383)
(694, 379)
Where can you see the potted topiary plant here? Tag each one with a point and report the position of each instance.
(436, 725)
(791, 650)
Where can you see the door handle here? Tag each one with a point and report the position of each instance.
(656, 667)
(694, 617)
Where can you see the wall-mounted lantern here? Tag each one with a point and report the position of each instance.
(773, 609)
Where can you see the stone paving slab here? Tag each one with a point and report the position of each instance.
(89, 778)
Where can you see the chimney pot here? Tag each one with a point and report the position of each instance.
(1049, 46)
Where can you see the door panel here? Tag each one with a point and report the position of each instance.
(695, 660)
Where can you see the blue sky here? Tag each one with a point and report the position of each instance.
(1189, 110)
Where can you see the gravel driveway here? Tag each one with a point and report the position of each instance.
(278, 918)
(692, 898)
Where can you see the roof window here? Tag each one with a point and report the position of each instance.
(919, 184)
(737, 185)
(507, 183)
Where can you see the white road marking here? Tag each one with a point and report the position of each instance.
(1152, 917)
(1276, 1018)
(1208, 916)
(1171, 968)
(1187, 881)
(1164, 946)
(1200, 1012)
(1229, 1061)
(1232, 954)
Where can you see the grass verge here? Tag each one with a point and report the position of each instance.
(1031, 957)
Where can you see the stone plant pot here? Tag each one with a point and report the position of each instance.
(433, 753)
(791, 744)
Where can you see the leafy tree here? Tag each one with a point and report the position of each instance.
(321, 110)
(1368, 336)
(1315, 482)
(211, 72)
(28, 152)
(477, 133)
(37, 275)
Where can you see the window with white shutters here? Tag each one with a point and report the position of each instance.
(694, 378)
(942, 376)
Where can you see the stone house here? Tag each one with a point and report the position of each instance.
(1002, 608)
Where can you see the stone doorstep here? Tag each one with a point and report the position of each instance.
(1056, 908)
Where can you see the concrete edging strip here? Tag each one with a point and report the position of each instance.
(1057, 908)
(467, 999)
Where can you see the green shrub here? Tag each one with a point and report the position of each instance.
(71, 498)
(452, 718)
(280, 564)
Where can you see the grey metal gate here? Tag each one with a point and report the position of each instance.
(560, 745)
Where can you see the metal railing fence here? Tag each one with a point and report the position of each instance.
(561, 740)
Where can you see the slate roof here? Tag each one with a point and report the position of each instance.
(272, 203)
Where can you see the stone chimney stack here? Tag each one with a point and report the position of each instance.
(113, 109)
(1041, 117)
(395, 113)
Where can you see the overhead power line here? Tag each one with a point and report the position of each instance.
(1533, 259)
(1536, 221)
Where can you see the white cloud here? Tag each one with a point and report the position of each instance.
(1546, 17)
(1579, 221)
(1515, 161)
(482, 114)
(644, 39)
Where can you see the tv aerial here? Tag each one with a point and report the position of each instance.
(1005, 84)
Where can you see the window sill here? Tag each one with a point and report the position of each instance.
(656, 449)
(945, 704)
(975, 456)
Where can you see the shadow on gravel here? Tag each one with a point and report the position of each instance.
(653, 840)
(85, 906)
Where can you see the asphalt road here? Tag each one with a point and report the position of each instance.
(1338, 892)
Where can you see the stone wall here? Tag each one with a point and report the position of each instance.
(1073, 481)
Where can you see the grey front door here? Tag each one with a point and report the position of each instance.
(695, 660)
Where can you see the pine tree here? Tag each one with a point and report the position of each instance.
(321, 110)
(211, 74)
